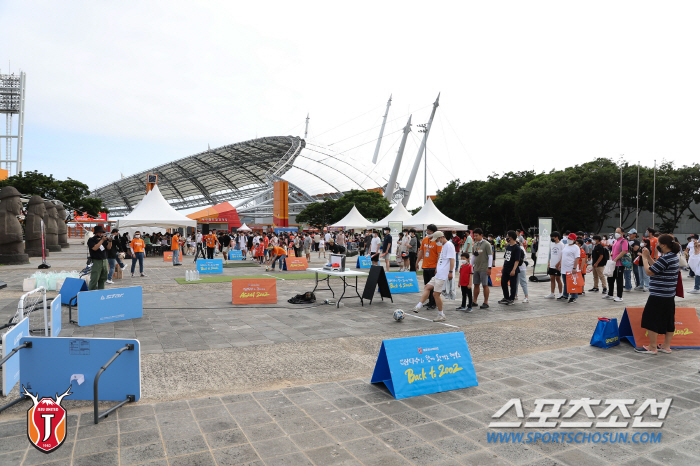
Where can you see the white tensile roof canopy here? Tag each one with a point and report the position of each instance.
(353, 220)
(244, 227)
(399, 214)
(430, 214)
(154, 211)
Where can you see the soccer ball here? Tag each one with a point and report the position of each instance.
(398, 315)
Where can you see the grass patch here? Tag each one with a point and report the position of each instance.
(233, 265)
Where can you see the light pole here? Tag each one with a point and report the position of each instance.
(423, 128)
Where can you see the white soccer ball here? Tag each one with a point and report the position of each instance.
(398, 315)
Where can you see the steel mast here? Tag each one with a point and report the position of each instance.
(306, 131)
(416, 164)
(389, 193)
(381, 131)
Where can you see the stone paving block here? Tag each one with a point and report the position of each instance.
(204, 458)
(366, 447)
(169, 406)
(312, 439)
(432, 431)
(96, 445)
(18, 442)
(226, 438)
(411, 418)
(576, 457)
(137, 423)
(174, 417)
(275, 447)
(234, 456)
(186, 445)
(251, 419)
(141, 453)
(209, 412)
(380, 425)
(263, 432)
(217, 424)
(329, 455)
(363, 413)
(297, 425)
(96, 430)
(103, 459)
(485, 458)
(130, 439)
(424, 454)
(295, 459)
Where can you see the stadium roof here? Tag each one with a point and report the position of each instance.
(232, 172)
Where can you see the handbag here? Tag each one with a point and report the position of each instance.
(574, 282)
(683, 262)
(626, 261)
(609, 269)
(679, 286)
(606, 334)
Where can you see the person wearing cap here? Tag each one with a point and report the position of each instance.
(98, 246)
(443, 272)
(386, 247)
(570, 257)
(113, 257)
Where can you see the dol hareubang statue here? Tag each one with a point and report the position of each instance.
(51, 227)
(62, 228)
(11, 245)
(36, 212)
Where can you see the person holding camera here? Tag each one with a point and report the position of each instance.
(114, 256)
(98, 245)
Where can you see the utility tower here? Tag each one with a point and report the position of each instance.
(12, 95)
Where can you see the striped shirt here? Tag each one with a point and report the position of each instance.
(663, 282)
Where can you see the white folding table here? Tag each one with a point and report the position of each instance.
(343, 276)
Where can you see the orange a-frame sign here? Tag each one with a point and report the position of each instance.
(687, 334)
(254, 291)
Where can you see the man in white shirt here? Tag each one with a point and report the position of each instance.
(570, 258)
(374, 248)
(327, 237)
(554, 270)
(443, 272)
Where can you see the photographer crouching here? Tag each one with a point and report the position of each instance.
(98, 246)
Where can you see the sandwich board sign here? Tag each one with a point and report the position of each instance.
(364, 262)
(112, 305)
(426, 364)
(235, 254)
(254, 290)
(403, 282)
(686, 334)
(10, 341)
(70, 289)
(210, 265)
(56, 316)
(295, 263)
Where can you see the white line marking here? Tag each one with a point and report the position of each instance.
(278, 278)
(430, 320)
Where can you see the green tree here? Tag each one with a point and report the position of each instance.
(317, 214)
(676, 190)
(371, 204)
(74, 194)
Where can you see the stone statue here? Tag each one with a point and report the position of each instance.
(51, 227)
(36, 212)
(11, 245)
(62, 227)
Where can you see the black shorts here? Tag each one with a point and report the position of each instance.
(555, 272)
(659, 314)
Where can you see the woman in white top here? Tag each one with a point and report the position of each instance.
(322, 248)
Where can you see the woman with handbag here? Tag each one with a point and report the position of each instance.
(620, 252)
(659, 313)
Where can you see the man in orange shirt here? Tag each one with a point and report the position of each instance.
(653, 242)
(175, 248)
(212, 242)
(277, 253)
(429, 253)
(137, 246)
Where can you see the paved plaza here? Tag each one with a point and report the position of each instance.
(289, 384)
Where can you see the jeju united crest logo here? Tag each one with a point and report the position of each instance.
(46, 421)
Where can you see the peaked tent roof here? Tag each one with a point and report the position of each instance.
(430, 214)
(154, 211)
(244, 227)
(354, 219)
(399, 214)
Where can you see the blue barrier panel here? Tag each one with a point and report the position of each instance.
(70, 289)
(363, 262)
(102, 306)
(415, 366)
(56, 316)
(403, 282)
(52, 364)
(10, 341)
(235, 254)
(210, 265)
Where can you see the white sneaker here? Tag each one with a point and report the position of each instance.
(694, 291)
(439, 318)
(526, 300)
(110, 282)
(617, 300)
(605, 296)
(551, 296)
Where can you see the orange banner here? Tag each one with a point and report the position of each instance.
(296, 263)
(687, 334)
(167, 256)
(254, 291)
(496, 273)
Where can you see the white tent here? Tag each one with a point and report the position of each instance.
(244, 227)
(430, 214)
(154, 211)
(353, 220)
(399, 214)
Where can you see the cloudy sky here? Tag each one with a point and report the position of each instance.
(119, 87)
